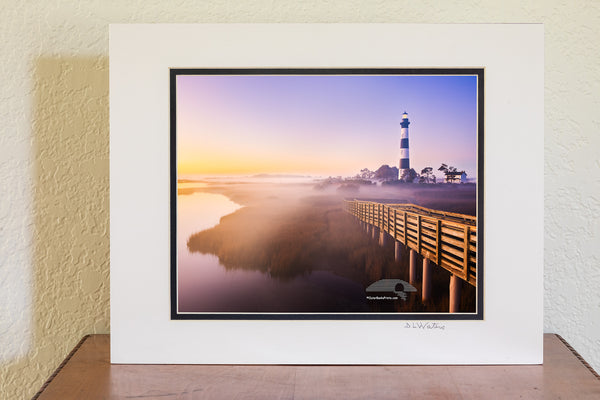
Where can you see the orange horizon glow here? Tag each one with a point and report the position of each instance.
(220, 166)
(204, 169)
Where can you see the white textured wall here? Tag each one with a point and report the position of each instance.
(54, 158)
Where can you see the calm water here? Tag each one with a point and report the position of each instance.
(204, 285)
(330, 284)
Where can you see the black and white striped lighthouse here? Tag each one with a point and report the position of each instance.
(404, 157)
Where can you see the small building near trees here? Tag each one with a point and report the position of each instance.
(455, 177)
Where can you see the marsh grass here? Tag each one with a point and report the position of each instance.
(290, 236)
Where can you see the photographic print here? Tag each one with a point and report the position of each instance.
(271, 232)
(326, 193)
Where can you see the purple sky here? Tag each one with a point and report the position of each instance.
(323, 124)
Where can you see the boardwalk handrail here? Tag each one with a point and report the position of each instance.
(447, 239)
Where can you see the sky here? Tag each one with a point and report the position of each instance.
(327, 125)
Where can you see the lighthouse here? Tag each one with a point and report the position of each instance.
(404, 157)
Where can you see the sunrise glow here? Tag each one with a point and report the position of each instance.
(323, 124)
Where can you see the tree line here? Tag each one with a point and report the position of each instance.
(391, 174)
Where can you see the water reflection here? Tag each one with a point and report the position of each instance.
(284, 256)
(190, 185)
(206, 285)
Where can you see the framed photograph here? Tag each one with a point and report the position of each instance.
(297, 193)
(326, 194)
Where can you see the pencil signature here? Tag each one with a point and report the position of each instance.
(424, 325)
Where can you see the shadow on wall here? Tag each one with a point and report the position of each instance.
(70, 153)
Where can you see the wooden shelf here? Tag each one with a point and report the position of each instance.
(88, 374)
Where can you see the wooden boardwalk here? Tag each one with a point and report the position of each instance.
(446, 239)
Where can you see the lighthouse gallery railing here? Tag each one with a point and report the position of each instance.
(447, 239)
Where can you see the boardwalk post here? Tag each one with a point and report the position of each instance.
(438, 242)
(397, 252)
(466, 253)
(419, 233)
(427, 272)
(412, 269)
(394, 226)
(405, 222)
(455, 286)
(375, 232)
